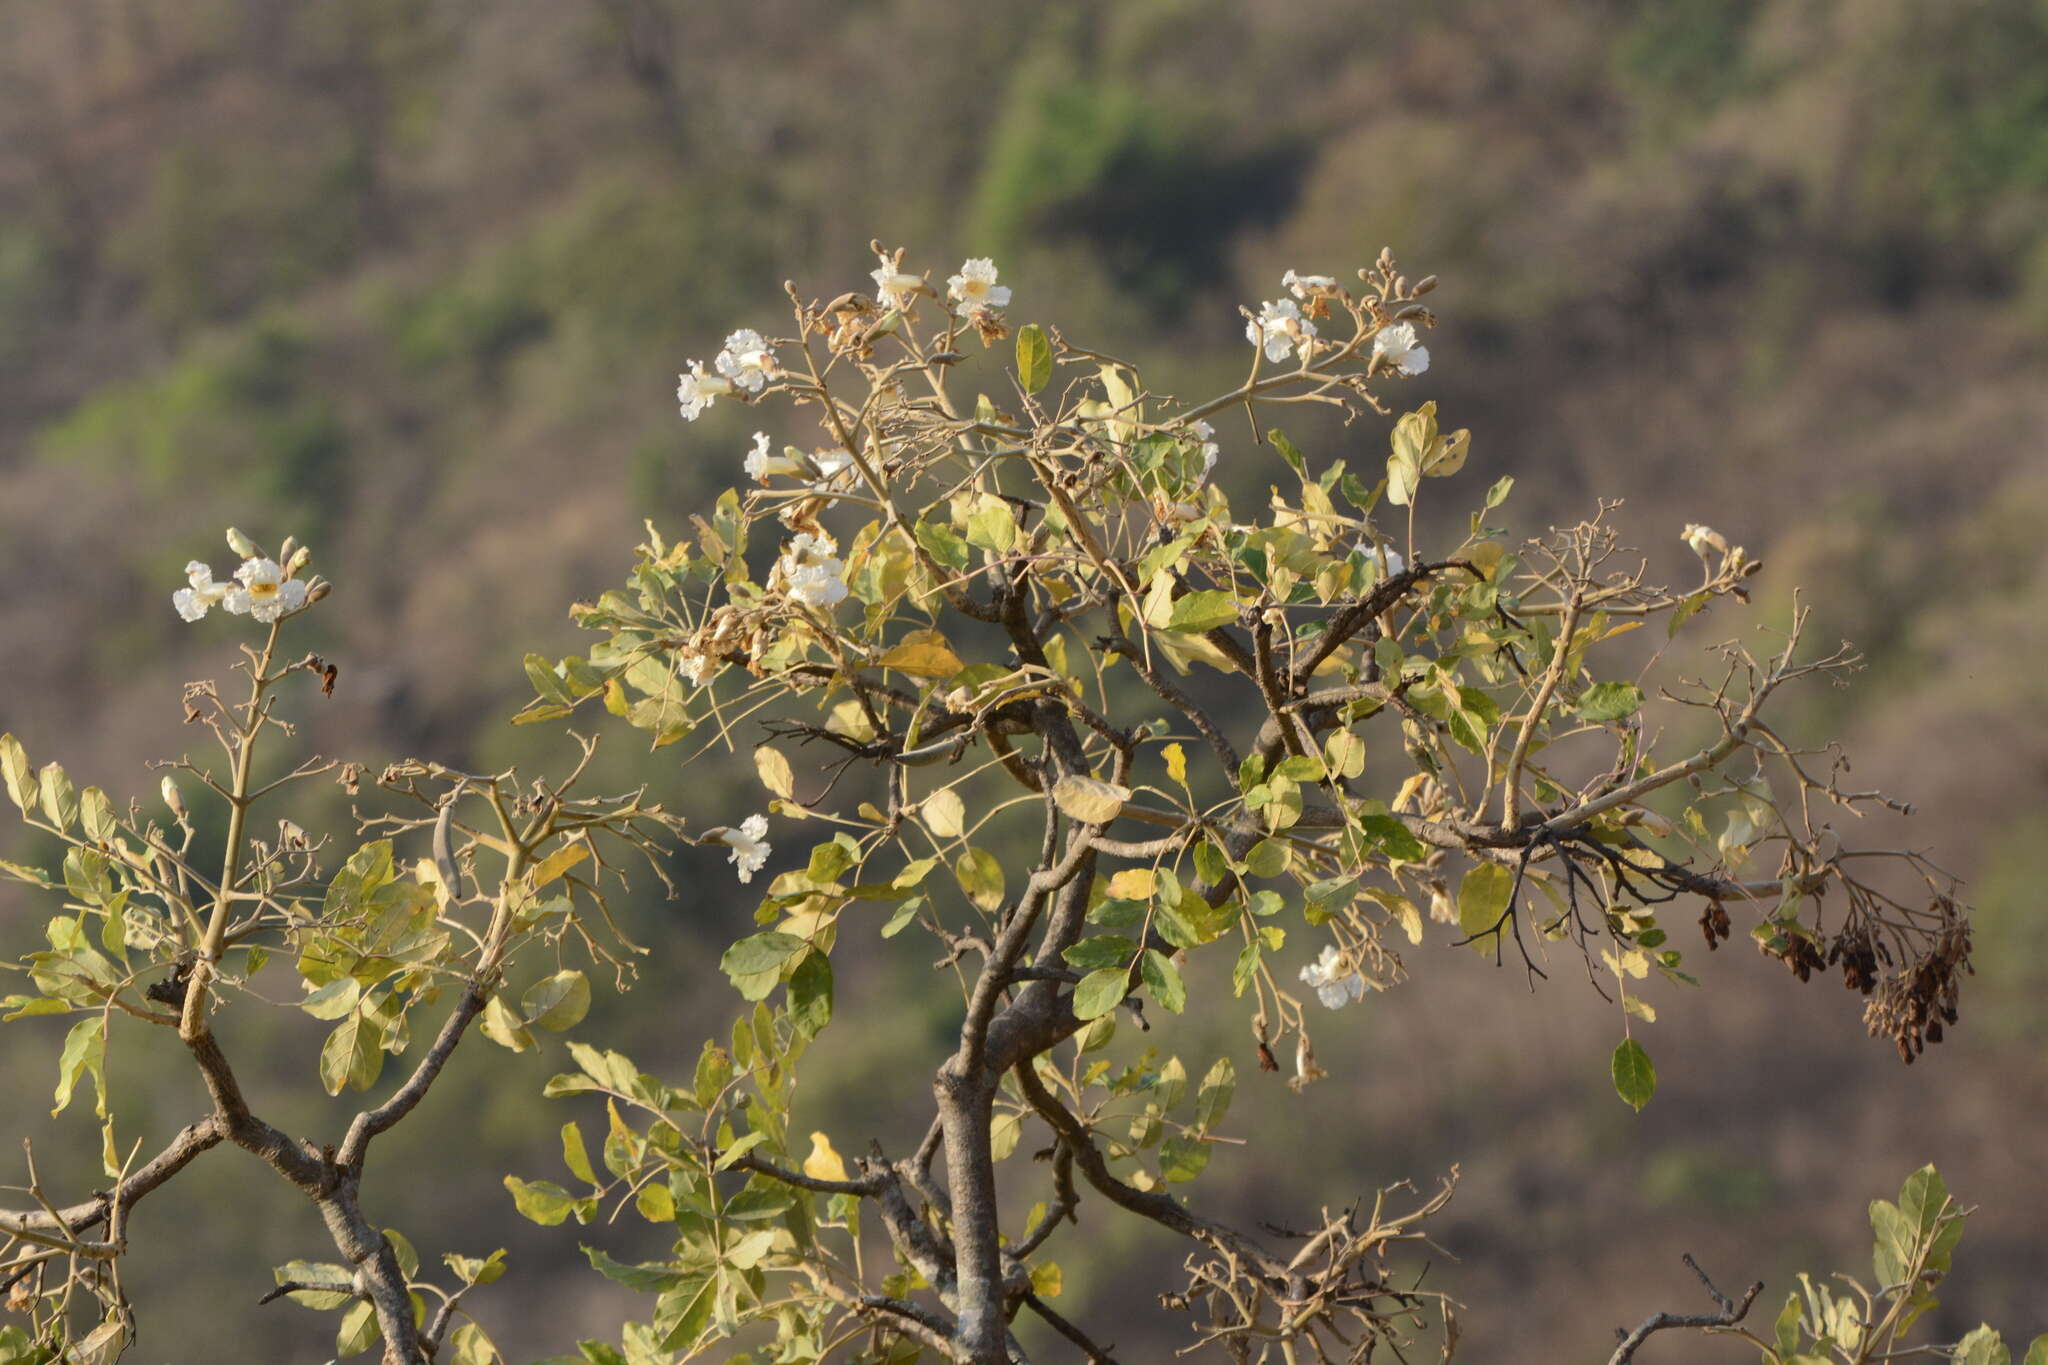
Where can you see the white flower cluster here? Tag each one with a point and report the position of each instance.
(811, 570)
(1703, 538)
(262, 588)
(1279, 328)
(749, 845)
(745, 365)
(1336, 982)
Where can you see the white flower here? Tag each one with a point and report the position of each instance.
(1397, 345)
(696, 390)
(975, 286)
(748, 360)
(761, 464)
(1703, 538)
(694, 665)
(1336, 982)
(194, 602)
(831, 466)
(266, 593)
(1385, 556)
(812, 572)
(1303, 286)
(749, 845)
(896, 289)
(1203, 432)
(1279, 328)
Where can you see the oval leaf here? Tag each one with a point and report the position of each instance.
(1635, 1079)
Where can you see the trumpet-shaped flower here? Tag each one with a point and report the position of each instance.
(1703, 538)
(1278, 329)
(893, 287)
(761, 464)
(749, 845)
(975, 286)
(265, 593)
(1396, 345)
(696, 390)
(748, 361)
(202, 595)
(814, 574)
(1305, 286)
(1335, 981)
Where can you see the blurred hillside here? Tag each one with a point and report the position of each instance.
(412, 279)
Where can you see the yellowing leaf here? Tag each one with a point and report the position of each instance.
(1133, 884)
(774, 771)
(1088, 799)
(823, 1163)
(561, 860)
(1176, 763)
(924, 653)
(944, 814)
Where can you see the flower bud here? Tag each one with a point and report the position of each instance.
(296, 560)
(173, 799)
(241, 544)
(1424, 285)
(317, 589)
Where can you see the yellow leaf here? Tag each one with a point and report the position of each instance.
(924, 653)
(823, 1163)
(1176, 763)
(1089, 799)
(945, 814)
(558, 862)
(1133, 884)
(774, 771)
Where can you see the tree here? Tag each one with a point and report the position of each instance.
(1082, 725)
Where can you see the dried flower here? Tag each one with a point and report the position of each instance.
(1306, 286)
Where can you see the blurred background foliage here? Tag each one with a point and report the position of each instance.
(412, 278)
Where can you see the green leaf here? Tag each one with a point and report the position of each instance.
(1182, 1158)
(1100, 992)
(469, 1345)
(557, 1002)
(575, 1155)
(1982, 1346)
(1266, 858)
(1104, 950)
(60, 801)
(1787, 1326)
(1200, 611)
(1498, 494)
(96, 813)
(1482, 901)
(1635, 1078)
(760, 953)
(1212, 1101)
(402, 1251)
(2037, 1351)
(313, 1272)
(1287, 449)
(810, 994)
(358, 1330)
(1034, 358)
(543, 1201)
(1162, 978)
(981, 877)
(334, 999)
(85, 1052)
(19, 773)
(353, 1054)
(1610, 701)
(499, 1024)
